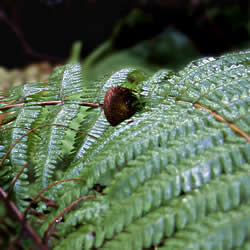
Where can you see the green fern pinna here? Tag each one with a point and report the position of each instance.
(174, 175)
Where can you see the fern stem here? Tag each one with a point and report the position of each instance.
(11, 105)
(221, 119)
(21, 219)
(16, 178)
(33, 129)
(45, 189)
(57, 102)
(91, 104)
(4, 129)
(66, 209)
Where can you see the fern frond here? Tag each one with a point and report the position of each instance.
(6, 175)
(50, 149)
(221, 194)
(171, 140)
(202, 75)
(171, 184)
(225, 230)
(95, 128)
(18, 156)
(177, 169)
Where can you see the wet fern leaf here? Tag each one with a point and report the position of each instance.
(175, 175)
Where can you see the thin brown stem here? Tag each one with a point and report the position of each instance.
(56, 102)
(33, 129)
(4, 129)
(66, 209)
(221, 119)
(17, 214)
(45, 189)
(16, 178)
(11, 106)
(91, 104)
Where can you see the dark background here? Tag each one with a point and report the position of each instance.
(44, 30)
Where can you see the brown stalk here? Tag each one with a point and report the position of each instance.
(45, 189)
(11, 106)
(66, 209)
(89, 104)
(4, 129)
(17, 214)
(16, 178)
(221, 119)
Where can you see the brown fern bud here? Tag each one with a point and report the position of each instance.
(119, 104)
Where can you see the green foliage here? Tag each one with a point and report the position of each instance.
(170, 49)
(172, 175)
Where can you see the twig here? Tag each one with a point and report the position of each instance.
(221, 119)
(11, 206)
(66, 209)
(45, 189)
(4, 129)
(17, 176)
(11, 105)
(89, 104)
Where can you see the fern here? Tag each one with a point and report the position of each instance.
(177, 170)
(215, 231)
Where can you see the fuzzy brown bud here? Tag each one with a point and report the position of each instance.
(119, 104)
